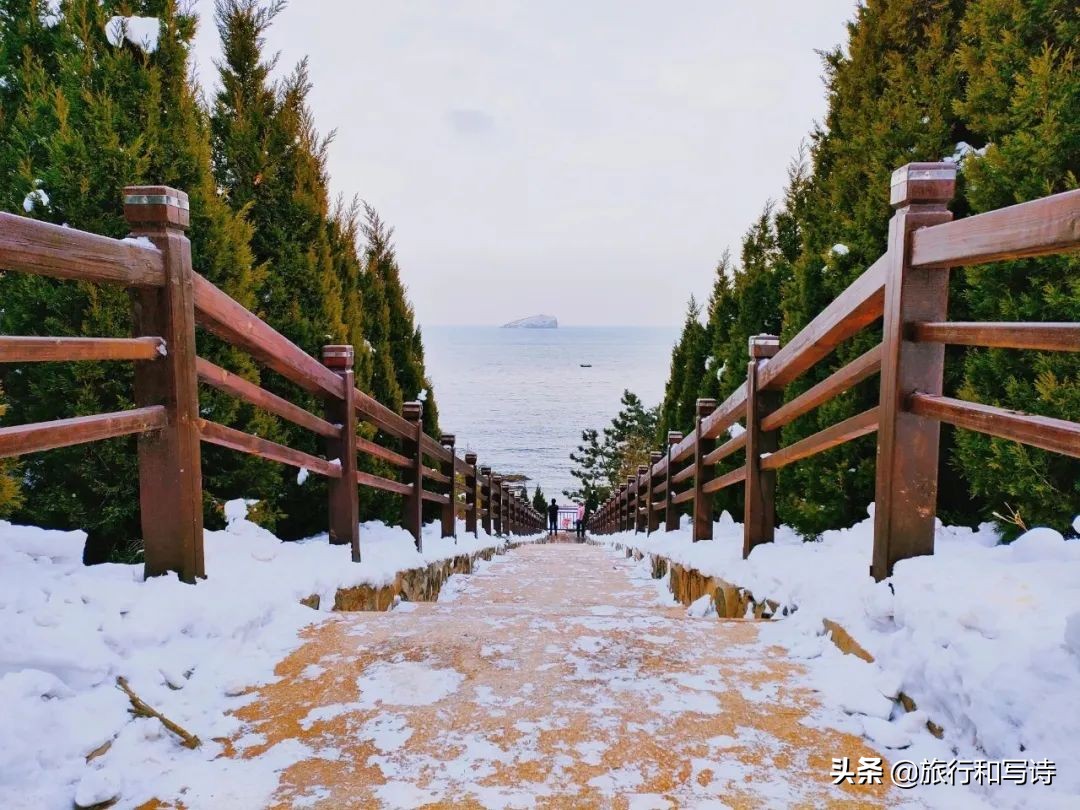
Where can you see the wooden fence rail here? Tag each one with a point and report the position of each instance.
(907, 289)
(169, 301)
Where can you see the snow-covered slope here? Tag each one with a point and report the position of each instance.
(68, 631)
(985, 637)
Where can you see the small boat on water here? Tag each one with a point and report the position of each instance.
(585, 365)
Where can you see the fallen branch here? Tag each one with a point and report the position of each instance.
(140, 708)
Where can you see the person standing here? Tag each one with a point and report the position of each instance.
(553, 517)
(581, 521)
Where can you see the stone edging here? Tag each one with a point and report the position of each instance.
(414, 585)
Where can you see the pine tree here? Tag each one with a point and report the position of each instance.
(687, 369)
(591, 470)
(1022, 100)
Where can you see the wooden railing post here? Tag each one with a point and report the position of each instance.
(497, 504)
(907, 456)
(671, 514)
(414, 502)
(449, 511)
(344, 496)
(471, 505)
(640, 517)
(624, 505)
(652, 516)
(484, 504)
(506, 508)
(170, 460)
(703, 473)
(759, 499)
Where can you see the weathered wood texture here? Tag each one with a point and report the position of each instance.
(43, 249)
(19, 440)
(64, 349)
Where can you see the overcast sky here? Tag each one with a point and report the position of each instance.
(588, 159)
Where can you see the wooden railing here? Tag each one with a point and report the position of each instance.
(169, 300)
(908, 289)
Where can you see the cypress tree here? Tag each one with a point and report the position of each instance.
(1022, 102)
(94, 111)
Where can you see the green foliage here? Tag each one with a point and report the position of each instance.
(600, 466)
(1022, 98)
(79, 119)
(917, 81)
(10, 490)
(539, 501)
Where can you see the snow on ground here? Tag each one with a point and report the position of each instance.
(984, 636)
(68, 631)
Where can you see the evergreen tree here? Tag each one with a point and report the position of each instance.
(1022, 101)
(271, 162)
(590, 469)
(539, 501)
(687, 369)
(889, 103)
(93, 111)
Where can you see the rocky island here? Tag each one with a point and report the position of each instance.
(534, 322)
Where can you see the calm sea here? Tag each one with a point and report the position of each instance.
(520, 398)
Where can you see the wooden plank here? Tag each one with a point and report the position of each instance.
(1044, 337)
(375, 413)
(223, 436)
(435, 475)
(1036, 228)
(221, 315)
(66, 349)
(1047, 433)
(435, 450)
(435, 497)
(684, 475)
(413, 508)
(235, 385)
(43, 249)
(660, 486)
(861, 368)
(38, 436)
(851, 428)
(378, 451)
(683, 497)
(702, 522)
(852, 311)
(170, 460)
(732, 445)
(385, 484)
(727, 413)
(726, 480)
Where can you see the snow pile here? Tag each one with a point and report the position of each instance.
(68, 631)
(142, 32)
(983, 636)
(37, 197)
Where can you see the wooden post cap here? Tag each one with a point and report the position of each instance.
(655, 456)
(448, 440)
(470, 458)
(156, 205)
(674, 436)
(622, 487)
(495, 479)
(642, 469)
(485, 470)
(704, 406)
(413, 411)
(922, 184)
(764, 346)
(338, 357)
(504, 484)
